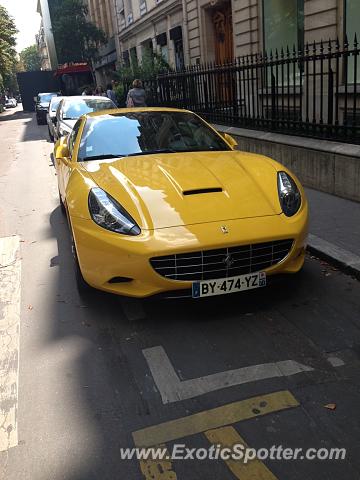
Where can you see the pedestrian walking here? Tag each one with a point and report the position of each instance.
(136, 96)
(99, 91)
(110, 93)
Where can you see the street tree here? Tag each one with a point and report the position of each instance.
(30, 58)
(76, 39)
(8, 57)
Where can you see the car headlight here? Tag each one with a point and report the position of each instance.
(289, 195)
(109, 214)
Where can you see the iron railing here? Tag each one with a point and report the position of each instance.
(314, 92)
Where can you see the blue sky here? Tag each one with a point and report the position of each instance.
(26, 18)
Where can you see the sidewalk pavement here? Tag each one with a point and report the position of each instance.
(335, 230)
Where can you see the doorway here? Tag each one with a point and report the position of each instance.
(221, 17)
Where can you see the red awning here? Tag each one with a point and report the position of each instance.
(72, 68)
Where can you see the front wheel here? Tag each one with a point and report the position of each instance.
(62, 204)
(51, 136)
(83, 287)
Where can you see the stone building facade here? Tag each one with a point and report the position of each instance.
(151, 26)
(103, 14)
(43, 49)
(197, 31)
(45, 38)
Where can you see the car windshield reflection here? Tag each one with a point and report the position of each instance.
(74, 110)
(145, 133)
(46, 97)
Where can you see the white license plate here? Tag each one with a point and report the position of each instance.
(221, 286)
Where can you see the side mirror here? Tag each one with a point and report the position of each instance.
(54, 120)
(230, 140)
(35, 99)
(62, 150)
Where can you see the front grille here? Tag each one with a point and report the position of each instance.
(222, 262)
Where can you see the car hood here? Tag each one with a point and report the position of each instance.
(169, 190)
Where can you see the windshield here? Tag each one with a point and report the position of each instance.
(54, 103)
(139, 133)
(46, 97)
(74, 110)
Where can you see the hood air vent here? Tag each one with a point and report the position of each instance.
(202, 190)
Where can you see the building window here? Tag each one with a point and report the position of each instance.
(147, 48)
(143, 8)
(176, 37)
(352, 15)
(122, 23)
(283, 22)
(161, 41)
(126, 58)
(130, 18)
(133, 57)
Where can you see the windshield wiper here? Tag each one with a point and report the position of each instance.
(102, 157)
(151, 152)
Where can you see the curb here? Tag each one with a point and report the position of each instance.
(346, 261)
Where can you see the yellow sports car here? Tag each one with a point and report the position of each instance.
(160, 202)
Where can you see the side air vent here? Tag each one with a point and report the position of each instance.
(202, 190)
(120, 280)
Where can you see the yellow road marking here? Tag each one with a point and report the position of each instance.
(253, 470)
(214, 418)
(157, 469)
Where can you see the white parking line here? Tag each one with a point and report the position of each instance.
(172, 389)
(10, 282)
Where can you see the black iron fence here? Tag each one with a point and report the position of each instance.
(314, 92)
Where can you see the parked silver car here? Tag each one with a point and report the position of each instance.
(51, 118)
(71, 108)
(10, 102)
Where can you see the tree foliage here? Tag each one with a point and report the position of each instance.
(151, 65)
(8, 55)
(76, 39)
(30, 58)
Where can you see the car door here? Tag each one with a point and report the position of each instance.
(64, 165)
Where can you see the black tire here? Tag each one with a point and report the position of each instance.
(51, 136)
(83, 287)
(62, 205)
(38, 121)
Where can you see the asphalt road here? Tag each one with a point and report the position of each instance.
(90, 374)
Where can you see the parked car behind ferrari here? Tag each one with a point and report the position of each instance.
(51, 118)
(42, 103)
(71, 108)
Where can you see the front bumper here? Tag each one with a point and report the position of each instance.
(104, 255)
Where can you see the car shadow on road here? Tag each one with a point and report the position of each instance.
(30, 134)
(112, 398)
(15, 115)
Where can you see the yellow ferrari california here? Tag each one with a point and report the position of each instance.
(159, 202)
